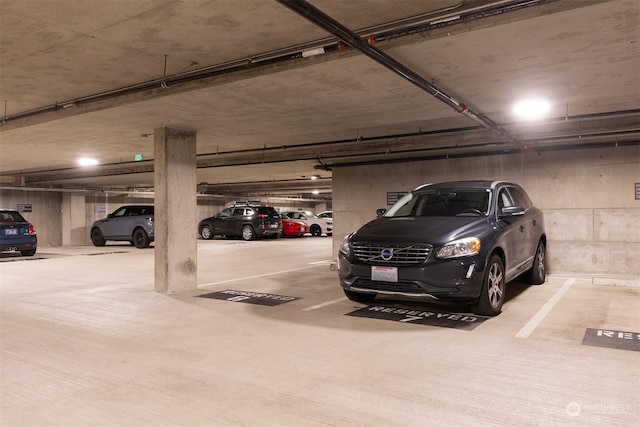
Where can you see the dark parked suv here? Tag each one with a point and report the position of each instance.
(131, 223)
(249, 220)
(459, 241)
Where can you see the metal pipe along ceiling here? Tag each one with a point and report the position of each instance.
(329, 24)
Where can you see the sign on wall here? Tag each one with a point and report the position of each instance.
(637, 190)
(24, 207)
(394, 196)
(99, 208)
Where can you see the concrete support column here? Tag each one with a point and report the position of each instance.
(175, 210)
(74, 223)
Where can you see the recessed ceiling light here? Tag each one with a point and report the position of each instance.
(87, 161)
(531, 109)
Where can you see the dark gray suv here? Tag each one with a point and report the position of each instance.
(248, 220)
(131, 223)
(459, 241)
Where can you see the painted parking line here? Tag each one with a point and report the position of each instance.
(257, 276)
(325, 262)
(533, 323)
(324, 304)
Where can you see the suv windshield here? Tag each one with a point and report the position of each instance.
(442, 202)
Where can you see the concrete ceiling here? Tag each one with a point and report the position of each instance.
(91, 78)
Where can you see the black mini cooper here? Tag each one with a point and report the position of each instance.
(459, 241)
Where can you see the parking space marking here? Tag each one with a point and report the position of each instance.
(324, 304)
(256, 276)
(533, 323)
(326, 262)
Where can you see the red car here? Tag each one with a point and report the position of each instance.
(293, 227)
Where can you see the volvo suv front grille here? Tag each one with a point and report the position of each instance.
(392, 254)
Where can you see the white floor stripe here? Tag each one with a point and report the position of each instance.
(256, 276)
(533, 323)
(324, 304)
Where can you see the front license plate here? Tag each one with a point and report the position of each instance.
(384, 274)
(11, 232)
(273, 225)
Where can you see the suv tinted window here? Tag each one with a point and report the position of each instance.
(520, 198)
(264, 210)
(449, 202)
(504, 200)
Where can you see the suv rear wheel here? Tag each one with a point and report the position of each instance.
(206, 232)
(248, 233)
(537, 274)
(140, 238)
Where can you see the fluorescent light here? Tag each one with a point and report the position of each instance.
(87, 161)
(315, 192)
(531, 109)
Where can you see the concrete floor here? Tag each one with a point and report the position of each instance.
(86, 341)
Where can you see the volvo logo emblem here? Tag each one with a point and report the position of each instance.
(386, 254)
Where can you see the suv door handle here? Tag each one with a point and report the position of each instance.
(534, 223)
(521, 228)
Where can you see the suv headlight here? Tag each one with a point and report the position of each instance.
(345, 247)
(459, 248)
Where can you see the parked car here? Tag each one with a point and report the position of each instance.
(326, 214)
(317, 226)
(130, 223)
(293, 227)
(249, 220)
(459, 241)
(16, 233)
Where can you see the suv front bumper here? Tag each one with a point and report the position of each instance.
(454, 279)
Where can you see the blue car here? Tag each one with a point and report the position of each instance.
(16, 233)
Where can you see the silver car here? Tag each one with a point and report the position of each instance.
(131, 223)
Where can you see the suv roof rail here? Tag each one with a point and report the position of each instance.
(248, 202)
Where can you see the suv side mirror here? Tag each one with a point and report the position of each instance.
(511, 211)
(380, 212)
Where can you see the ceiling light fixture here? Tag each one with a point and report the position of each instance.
(87, 161)
(531, 109)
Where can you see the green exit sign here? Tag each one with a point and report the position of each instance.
(137, 158)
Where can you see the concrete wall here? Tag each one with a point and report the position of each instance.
(591, 215)
(45, 215)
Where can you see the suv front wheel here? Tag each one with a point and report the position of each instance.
(492, 293)
(248, 233)
(96, 237)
